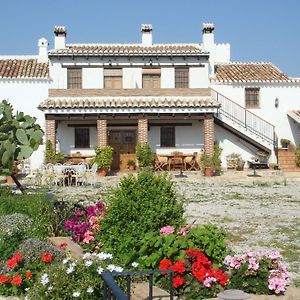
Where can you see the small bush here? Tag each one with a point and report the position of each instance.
(207, 238)
(144, 155)
(139, 205)
(298, 156)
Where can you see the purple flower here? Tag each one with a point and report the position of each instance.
(167, 230)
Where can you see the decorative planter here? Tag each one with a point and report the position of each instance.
(130, 168)
(9, 180)
(102, 172)
(208, 172)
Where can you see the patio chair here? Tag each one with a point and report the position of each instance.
(60, 175)
(91, 174)
(80, 174)
(177, 161)
(160, 163)
(191, 163)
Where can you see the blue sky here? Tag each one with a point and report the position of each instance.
(258, 30)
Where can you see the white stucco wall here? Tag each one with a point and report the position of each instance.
(198, 77)
(167, 78)
(132, 78)
(92, 78)
(66, 137)
(289, 99)
(25, 96)
(188, 139)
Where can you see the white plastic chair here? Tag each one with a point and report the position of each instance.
(91, 174)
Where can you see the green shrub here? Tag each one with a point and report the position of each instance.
(51, 156)
(207, 238)
(298, 156)
(139, 205)
(103, 157)
(144, 155)
(35, 206)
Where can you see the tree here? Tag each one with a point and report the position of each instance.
(20, 136)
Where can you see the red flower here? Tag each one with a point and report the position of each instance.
(18, 256)
(221, 276)
(28, 274)
(63, 245)
(4, 278)
(17, 280)
(178, 267)
(165, 264)
(47, 257)
(178, 281)
(11, 263)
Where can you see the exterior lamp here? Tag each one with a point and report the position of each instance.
(276, 102)
(233, 295)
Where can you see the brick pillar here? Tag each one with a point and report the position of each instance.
(50, 133)
(143, 131)
(101, 133)
(209, 132)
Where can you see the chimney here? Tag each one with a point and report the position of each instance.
(208, 39)
(43, 50)
(146, 34)
(60, 34)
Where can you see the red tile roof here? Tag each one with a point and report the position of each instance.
(23, 68)
(249, 72)
(130, 49)
(127, 102)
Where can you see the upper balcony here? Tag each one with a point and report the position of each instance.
(129, 92)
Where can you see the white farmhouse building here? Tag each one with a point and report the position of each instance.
(174, 96)
(24, 82)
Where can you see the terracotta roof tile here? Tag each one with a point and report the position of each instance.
(126, 49)
(127, 102)
(23, 68)
(249, 72)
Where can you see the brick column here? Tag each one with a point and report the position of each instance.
(143, 131)
(101, 133)
(209, 133)
(50, 133)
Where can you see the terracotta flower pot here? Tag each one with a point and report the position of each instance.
(9, 180)
(208, 172)
(102, 172)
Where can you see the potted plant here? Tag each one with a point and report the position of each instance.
(145, 156)
(233, 160)
(285, 143)
(104, 159)
(131, 165)
(207, 165)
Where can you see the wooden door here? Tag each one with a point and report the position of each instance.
(123, 143)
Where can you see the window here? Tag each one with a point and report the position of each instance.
(167, 136)
(113, 78)
(74, 78)
(151, 78)
(252, 97)
(181, 78)
(82, 138)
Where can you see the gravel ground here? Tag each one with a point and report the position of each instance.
(257, 212)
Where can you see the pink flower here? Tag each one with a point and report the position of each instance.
(209, 281)
(167, 230)
(88, 237)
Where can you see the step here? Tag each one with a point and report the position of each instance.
(69, 247)
(140, 291)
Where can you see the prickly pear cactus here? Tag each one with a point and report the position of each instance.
(20, 135)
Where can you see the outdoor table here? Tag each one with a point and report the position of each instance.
(169, 157)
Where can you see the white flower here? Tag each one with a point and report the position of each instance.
(73, 264)
(27, 289)
(86, 255)
(65, 260)
(26, 298)
(76, 294)
(111, 268)
(70, 270)
(119, 269)
(135, 264)
(100, 270)
(90, 290)
(50, 288)
(88, 263)
(103, 255)
(44, 279)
